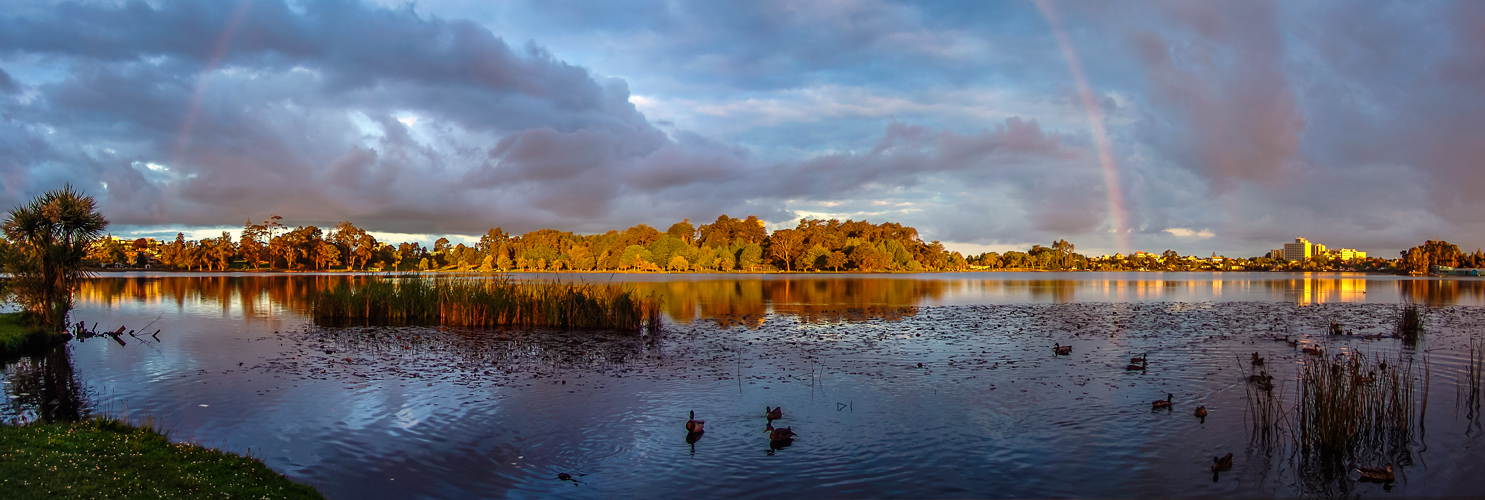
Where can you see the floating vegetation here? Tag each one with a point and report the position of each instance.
(1353, 411)
(473, 302)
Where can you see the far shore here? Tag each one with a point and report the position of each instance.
(722, 273)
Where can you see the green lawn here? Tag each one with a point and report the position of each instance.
(16, 336)
(103, 458)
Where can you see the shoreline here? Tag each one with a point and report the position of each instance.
(101, 271)
(102, 457)
(18, 338)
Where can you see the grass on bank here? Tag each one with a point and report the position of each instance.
(106, 458)
(484, 303)
(17, 335)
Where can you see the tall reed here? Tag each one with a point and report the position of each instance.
(1266, 410)
(1470, 386)
(1354, 409)
(1410, 324)
(483, 302)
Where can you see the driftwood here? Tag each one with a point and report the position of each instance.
(81, 332)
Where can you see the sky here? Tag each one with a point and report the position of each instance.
(1225, 127)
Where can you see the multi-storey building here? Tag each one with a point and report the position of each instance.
(1299, 250)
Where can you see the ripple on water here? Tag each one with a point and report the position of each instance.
(409, 412)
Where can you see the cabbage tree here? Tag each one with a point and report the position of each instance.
(49, 238)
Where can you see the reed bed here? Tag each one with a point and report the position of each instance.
(1355, 410)
(473, 302)
(1410, 324)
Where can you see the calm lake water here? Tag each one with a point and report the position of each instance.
(899, 386)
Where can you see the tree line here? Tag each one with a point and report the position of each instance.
(727, 244)
(1060, 256)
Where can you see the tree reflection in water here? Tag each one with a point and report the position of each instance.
(43, 387)
(1440, 292)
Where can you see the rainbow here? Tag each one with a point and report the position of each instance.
(218, 51)
(1118, 217)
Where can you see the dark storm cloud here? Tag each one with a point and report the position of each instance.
(1219, 65)
(270, 129)
(209, 113)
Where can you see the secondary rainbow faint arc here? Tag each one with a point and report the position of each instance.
(218, 51)
(1117, 216)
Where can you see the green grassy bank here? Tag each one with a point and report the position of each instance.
(105, 458)
(17, 337)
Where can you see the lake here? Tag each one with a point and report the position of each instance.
(920, 386)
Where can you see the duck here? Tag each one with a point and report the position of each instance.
(1267, 383)
(1223, 462)
(1257, 361)
(1313, 351)
(773, 413)
(1201, 412)
(1376, 475)
(1135, 367)
(779, 435)
(694, 425)
(1061, 350)
(1140, 359)
(1367, 379)
(1163, 404)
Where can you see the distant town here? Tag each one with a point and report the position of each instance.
(726, 245)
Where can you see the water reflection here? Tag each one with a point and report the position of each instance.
(936, 399)
(45, 388)
(744, 300)
(1442, 292)
(1305, 291)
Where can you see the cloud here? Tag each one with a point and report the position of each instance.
(8, 84)
(1250, 121)
(1181, 232)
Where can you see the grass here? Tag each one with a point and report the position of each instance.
(106, 458)
(1354, 410)
(18, 336)
(482, 303)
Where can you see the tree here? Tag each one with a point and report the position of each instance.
(683, 231)
(749, 256)
(784, 245)
(835, 260)
(223, 251)
(814, 258)
(251, 243)
(365, 249)
(327, 256)
(1064, 253)
(49, 238)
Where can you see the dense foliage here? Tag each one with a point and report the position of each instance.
(728, 244)
(48, 241)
